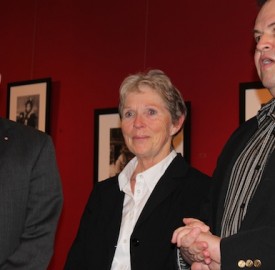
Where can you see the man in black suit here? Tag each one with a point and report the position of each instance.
(243, 194)
(30, 197)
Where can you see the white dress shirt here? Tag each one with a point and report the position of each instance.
(134, 203)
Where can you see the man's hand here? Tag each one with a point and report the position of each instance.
(198, 246)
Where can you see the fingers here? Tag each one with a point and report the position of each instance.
(195, 252)
(187, 239)
(181, 234)
(192, 222)
(206, 254)
(184, 237)
(199, 266)
(188, 221)
(190, 240)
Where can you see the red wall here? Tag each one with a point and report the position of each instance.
(88, 47)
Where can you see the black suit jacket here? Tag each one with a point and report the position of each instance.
(179, 193)
(30, 197)
(256, 238)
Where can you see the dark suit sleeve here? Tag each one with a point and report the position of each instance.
(252, 246)
(76, 258)
(42, 213)
(94, 244)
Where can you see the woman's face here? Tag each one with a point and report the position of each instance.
(147, 126)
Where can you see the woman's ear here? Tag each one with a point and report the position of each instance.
(177, 126)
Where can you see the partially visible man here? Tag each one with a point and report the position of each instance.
(30, 197)
(243, 197)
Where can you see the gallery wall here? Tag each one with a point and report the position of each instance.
(87, 48)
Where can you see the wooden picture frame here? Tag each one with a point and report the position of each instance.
(28, 103)
(109, 142)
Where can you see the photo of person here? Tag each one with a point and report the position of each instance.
(27, 110)
(119, 153)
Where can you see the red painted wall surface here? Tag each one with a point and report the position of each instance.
(88, 47)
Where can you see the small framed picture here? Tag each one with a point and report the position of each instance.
(28, 103)
(111, 154)
(253, 95)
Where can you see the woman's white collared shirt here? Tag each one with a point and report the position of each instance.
(134, 203)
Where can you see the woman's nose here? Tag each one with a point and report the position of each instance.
(138, 122)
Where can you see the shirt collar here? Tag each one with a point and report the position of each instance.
(266, 111)
(151, 175)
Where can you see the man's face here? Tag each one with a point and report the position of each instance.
(264, 33)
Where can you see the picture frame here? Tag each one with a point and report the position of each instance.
(253, 95)
(109, 144)
(28, 103)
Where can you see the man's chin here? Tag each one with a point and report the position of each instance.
(269, 83)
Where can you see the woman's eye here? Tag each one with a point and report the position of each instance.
(128, 114)
(152, 112)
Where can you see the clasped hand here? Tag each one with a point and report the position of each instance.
(198, 246)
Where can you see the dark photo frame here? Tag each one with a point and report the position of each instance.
(253, 95)
(28, 103)
(109, 146)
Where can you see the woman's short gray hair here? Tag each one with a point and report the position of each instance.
(159, 81)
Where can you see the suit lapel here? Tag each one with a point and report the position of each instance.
(113, 201)
(228, 157)
(167, 184)
(111, 214)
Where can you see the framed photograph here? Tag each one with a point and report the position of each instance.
(253, 95)
(111, 153)
(28, 103)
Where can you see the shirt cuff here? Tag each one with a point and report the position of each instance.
(182, 265)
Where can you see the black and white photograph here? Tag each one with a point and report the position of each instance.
(28, 103)
(28, 110)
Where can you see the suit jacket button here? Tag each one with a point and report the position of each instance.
(241, 263)
(257, 263)
(249, 263)
(135, 242)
